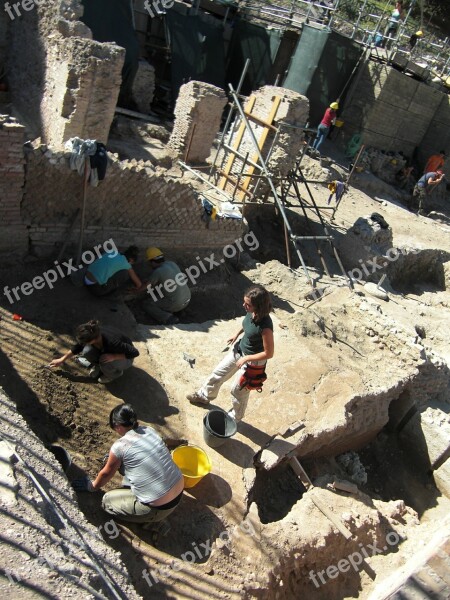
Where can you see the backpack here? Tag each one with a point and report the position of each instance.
(253, 377)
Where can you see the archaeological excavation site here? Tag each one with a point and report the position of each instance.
(285, 166)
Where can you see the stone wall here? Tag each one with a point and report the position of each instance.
(134, 204)
(293, 109)
(437, 136)
(198, 112)
(62, 82)
(13, 234)
(390, 109)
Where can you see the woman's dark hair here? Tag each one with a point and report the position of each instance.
(123, 414)
(261, 301)
(132, 252)
(87, 332)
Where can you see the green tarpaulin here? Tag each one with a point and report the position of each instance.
(197, 50)
(260, 45)
(111, 21)
(321, 66)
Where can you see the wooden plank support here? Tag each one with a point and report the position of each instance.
(300, 472)
(234, 182)
(261, 141)
(237, 142)
(259, 121)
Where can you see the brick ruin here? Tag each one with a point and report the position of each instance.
(292, 110)
(197, 119)
(13, 234)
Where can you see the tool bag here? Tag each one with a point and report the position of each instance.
(253, 377)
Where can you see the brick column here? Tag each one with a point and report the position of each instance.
(13, 233)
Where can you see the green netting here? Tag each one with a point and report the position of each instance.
(197, 50)
(260, 45)
(111, 21)
(321, 66)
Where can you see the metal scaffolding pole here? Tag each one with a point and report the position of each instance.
(269, 181)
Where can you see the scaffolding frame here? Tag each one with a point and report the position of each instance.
(280, 187)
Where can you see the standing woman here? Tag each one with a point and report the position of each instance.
(254, 348)
(394, 21)
(328, 119)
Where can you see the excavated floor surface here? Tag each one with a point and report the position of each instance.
(324, 354)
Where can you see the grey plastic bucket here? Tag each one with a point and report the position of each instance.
(218, 426)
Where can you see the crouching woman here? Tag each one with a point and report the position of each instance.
(153, 484)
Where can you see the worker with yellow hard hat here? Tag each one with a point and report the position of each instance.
(414, 38)
(328, 119)
(167, 288)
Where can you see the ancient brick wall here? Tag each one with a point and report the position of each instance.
(390, 109)
(61, 81)
(13, 233)
(134, 204)
(293, 110)
(198, 112)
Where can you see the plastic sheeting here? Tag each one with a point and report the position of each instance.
(112, 21)
(321, 67)
(260, 45)
(197, 50)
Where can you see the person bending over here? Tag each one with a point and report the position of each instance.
(106, 353)
(152, 483)
(111, 271)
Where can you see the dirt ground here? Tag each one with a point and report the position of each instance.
(66, 407)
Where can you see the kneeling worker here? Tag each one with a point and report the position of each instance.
(153, 484)
(112, 270)
(106, 353)
(167, 287)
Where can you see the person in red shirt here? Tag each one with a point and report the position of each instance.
(435, 162)
(328, 119)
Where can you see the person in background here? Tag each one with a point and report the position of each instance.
(390, 32)
(152, 483)
(255, 347)
(328, 119)
(167, 288)
(414, 39)
(435, 162)
(424, 187)
(111, 271)
(106, 353)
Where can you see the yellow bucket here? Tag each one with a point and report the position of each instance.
(193, 462)
(338, 123)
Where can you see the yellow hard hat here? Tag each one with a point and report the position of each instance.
(153, 253)
(334, 105)
(419, 33)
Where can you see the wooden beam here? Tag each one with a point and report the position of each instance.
(237, 142)
(262, 141)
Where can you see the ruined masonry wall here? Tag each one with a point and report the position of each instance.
(198, 112)
(293, 109)
(62, 82)
(13, 233)
(390, 109)
(133, 204)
